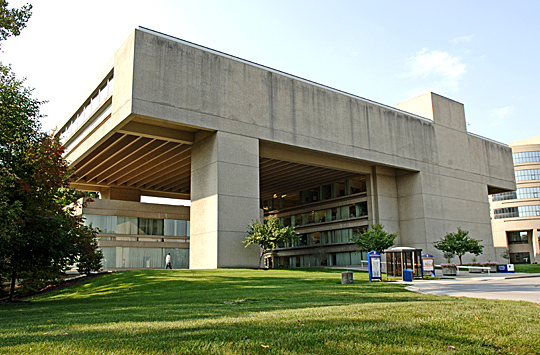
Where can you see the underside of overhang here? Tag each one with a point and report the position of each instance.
(157, 161)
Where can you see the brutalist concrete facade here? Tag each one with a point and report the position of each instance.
(181, 120)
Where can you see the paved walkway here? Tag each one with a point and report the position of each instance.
(502, 286)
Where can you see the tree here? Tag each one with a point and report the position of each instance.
(506, 254)
(12, 21)
(374, 239)
(268, 234)
(40, 236)
(459, 244)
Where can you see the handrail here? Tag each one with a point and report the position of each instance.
(470, 267)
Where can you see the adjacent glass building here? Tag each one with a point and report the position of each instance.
(128, 241)
(516, 215)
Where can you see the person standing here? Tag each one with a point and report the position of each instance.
(168, 262)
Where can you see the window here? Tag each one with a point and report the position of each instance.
(520, 258)
(175, 228)
(150, 226)
(127, 225)
(505, 196)
(358, 186)
(519, 237)
(91, 105)
(521, 211)
(526, 157)
(529, 174)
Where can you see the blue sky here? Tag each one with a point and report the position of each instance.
(484, 54)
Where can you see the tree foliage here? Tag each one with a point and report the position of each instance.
(12, 21)
(268, 234)
(374, 239)
(40, 235)
(459, 244)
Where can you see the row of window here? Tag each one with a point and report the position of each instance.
(90, 106)
(134, 225)
(529, 174)
(124, 257)
(321, 193)
(527, 192)
(526, 157)
(327, 215)
(322, 238)
(322, 259)
(521, 211)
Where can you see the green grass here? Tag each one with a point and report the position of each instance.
(530, 268)
(261, 312)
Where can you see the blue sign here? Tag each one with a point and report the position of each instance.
(374, 265)
(505, 268)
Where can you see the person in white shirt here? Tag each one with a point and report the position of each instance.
(168, 262)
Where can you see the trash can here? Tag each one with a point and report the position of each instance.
(346, 277)
(407, 275)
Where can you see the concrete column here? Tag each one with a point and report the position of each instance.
(535, 257)
(224, 200)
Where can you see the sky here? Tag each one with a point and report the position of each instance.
(484, 54)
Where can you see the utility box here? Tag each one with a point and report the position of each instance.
(346, 277)
(505, 268)
(408, 275)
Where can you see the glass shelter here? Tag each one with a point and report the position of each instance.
(403, 258)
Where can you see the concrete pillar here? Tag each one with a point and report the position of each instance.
(224, 200)
(535, 257)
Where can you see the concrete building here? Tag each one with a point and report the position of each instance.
(516, 214)
(169, 118)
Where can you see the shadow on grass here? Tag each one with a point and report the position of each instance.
(354, 328)
(140, 296)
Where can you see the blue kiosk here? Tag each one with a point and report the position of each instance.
(428, 264)
(374, 266)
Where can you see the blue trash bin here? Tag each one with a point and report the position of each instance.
(407, 275)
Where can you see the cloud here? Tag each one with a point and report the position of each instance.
(503, 111)
(441, 67)
(462, 39)
(501, 115)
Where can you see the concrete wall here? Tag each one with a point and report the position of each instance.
(429, 175)
(105, 207)
(450, 169)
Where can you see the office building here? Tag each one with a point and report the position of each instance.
(169, 118)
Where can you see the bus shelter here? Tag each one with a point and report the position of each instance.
(403, 262)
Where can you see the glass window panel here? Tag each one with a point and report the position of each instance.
(179, 257)
(106, 224)
(150, 226)
(326, 192)
(177, 228)
(358, 186)
(109, 257)
(363, 209)
(340, 189)
(127, 225)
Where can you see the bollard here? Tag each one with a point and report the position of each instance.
(346, 277)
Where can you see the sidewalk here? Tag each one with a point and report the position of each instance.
(501, 286)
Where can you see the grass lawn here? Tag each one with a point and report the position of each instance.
(531, 268)
(261, 312)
